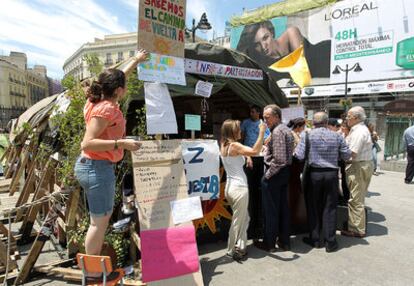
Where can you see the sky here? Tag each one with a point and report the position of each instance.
(50, 31)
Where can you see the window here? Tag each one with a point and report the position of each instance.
(131, 53)
(108, 59)
(120, 57)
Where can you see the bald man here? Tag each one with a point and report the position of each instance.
(325, 150)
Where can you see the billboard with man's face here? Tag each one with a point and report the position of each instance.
(378, 35)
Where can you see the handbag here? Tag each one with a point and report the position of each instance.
(377, 146)
(306, 167)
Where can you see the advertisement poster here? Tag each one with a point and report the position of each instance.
(376, 34)
(164, 69)
(201, 164)
(161, 27)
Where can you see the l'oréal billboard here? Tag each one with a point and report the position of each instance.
(376, 34)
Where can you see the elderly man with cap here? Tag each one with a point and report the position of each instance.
(326, 147)
(359, 171)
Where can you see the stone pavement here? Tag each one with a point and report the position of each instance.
(384, 257)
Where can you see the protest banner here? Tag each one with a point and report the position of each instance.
(201, 161)
(161, 26)
(292, 113)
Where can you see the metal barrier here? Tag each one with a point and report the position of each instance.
(394, 145)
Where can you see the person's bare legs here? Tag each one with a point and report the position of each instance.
(95, 235)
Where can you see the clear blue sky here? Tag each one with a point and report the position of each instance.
(49, 31)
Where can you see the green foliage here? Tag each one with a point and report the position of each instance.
(120, 245)
(140, 128)
(71, 130)
(95, 66)
(69, 82)
(78, 234)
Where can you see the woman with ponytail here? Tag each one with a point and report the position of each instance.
(103, 145)
(237, 192)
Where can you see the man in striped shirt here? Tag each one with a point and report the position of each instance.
(326, 147)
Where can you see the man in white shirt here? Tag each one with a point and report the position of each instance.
(359, 171)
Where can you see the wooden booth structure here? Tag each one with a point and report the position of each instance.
(37, 206)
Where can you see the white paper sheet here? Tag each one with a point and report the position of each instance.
(186, 210)
(203, 88)
(160, 109)
(292, 113)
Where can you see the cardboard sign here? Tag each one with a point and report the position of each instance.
(158, 179)
(203, 88)
(160, 112)
(164, 69)
(192, 122)
(168, 253)
(201, 161)
(292, 113)
(161, 27)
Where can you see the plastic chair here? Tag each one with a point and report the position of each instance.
(99, 264)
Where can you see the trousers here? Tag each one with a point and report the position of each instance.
(323, 203)
(358, 177)
(409, 171)
(275, 207)
(238, 198)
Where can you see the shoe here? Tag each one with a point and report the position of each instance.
(408, 182)
(375, 173)
(311, 242)
(283, 246)
(261, 245)
(352, 233)
(331, 246)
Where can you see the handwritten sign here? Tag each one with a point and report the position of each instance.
(203, 88)
(292, 113)
(158, 179)
(168, 253)
(201, 161)
(192, 122)
(160, 112)
(186, 210)
(164, 69)
(161, 26)
(209, 68)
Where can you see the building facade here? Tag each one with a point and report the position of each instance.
(110, 50)
(20, 87)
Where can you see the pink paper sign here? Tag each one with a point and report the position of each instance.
(168, 253)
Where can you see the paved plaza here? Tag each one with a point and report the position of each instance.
(384, 257)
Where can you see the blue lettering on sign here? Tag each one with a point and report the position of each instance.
(195, 159)
(205, 185)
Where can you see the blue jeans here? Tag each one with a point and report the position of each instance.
(97, 178)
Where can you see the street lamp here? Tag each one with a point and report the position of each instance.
(203, 24)
(356, 68)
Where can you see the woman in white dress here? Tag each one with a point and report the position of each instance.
(237, 192)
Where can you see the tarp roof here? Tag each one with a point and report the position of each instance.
(284, 8)
(259, 92)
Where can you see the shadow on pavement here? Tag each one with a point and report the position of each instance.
(373, 194)
(208, 267)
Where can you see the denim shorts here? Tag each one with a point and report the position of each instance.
(97, 178)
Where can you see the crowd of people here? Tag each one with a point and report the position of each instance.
(329, 161)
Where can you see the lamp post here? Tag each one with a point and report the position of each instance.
(356, 68)
(203, 24)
